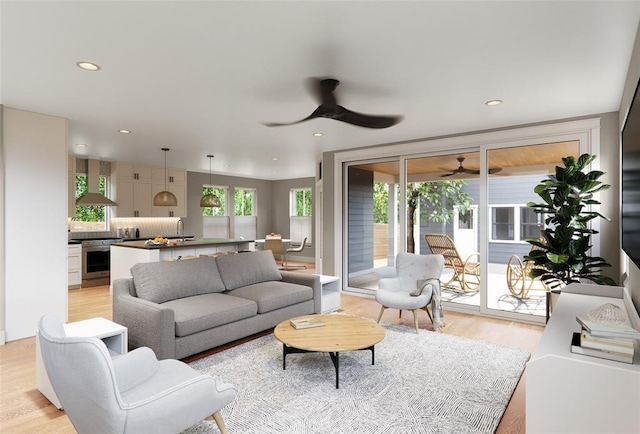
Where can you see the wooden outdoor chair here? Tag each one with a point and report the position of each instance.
(465, 272)
(518, 280)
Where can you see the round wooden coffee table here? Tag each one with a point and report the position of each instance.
(340, 333)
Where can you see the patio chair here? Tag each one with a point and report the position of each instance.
(466, 273)
(518, 280)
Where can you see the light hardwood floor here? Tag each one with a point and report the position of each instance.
(23, 409)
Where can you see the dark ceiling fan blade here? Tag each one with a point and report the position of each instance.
(322, 89)
(495, 170)
(364, 120)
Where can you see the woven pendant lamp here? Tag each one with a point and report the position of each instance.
(165, 198)
(209, 200)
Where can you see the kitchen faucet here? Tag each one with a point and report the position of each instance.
(180, 229)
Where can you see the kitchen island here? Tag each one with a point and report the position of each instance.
(126, 254)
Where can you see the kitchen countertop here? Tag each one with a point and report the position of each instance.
(181, 244)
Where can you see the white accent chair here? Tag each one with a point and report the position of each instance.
(417, 283)
(131, 393)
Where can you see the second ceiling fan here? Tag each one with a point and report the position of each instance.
(461, 169)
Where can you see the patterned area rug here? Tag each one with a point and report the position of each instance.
(420, 383)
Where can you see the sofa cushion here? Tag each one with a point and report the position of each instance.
(274, 295)
(247, 268)
(163, 281)
(203, 312)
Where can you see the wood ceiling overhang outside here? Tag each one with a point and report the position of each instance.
(521, 160)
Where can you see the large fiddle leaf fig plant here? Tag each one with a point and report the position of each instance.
(561, 254)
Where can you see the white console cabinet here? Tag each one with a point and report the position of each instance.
(330, 293)
(573, 393)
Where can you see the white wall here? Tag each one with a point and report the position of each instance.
(34, 279)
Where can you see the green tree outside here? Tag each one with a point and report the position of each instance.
(220, 193)
(243, 202)
(89, 213)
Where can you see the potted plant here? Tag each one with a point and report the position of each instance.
(560, 256)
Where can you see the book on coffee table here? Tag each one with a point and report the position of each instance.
(305, 323)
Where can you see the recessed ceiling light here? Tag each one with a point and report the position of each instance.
(493, 102)
(81, 145)
(275, 158)
(88, 66)
(125, 131)
(318, 134)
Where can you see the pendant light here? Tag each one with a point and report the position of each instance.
(165, 198)
(210, 200)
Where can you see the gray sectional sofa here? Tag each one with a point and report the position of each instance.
(181, 308)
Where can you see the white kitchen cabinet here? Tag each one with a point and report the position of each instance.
(176, 183)
(132, 189)
(74, 265)
(574, 393)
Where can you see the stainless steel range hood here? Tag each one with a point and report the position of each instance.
(93, 197)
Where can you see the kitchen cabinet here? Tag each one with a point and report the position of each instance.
(71, 186)
(132, 189)
(74, 265)
(176, 183)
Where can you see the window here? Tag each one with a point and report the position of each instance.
(301, 212)
(243, 200)
(221, 193)
(301, 202)
(89, 217)
(502, 223)
(530, 223)
(515, 223)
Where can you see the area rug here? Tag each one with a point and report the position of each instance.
(420, 383)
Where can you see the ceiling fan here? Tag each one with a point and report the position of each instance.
(329, 108)
(461, 169)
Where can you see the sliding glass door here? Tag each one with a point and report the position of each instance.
(372, 223)
(513, 174)
(467, 204)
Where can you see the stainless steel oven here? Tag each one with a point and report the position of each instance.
(96, 261)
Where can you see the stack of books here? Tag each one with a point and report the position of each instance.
(606, 341)
(305, 323)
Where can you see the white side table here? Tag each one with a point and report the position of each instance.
(113, 335)
(330, 293)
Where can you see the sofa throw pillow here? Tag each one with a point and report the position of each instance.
(247, 268)
(422, 286)
(163, 281)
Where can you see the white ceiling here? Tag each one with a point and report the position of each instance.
(201, 77)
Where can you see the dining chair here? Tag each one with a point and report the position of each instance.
(297, 249)
(276, 246)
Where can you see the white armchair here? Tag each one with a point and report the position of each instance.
(417, 283)
(133, 393)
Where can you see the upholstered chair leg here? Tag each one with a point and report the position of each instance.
(415, 318)
(217, 417)
(426, 308)
(382, 308)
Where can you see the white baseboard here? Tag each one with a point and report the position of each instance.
(2, 337)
